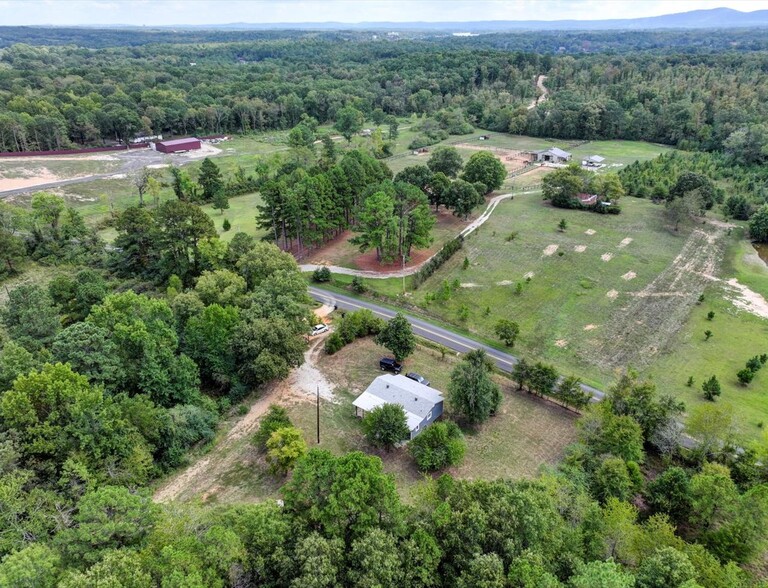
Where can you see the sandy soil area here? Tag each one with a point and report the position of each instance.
(550, 249)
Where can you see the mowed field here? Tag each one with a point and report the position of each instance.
(526, 435)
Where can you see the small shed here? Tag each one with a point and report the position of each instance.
(176, 145)
(551, 155)
(593, 161)
(422, 404)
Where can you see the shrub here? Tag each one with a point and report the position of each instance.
(276, 418)
(386, 426)
(321, 274)
(226, 225)
(711, 388)
(512, 236)
(429, 268)
(754, 364)
(745, 376)
(333, 343)
(440, 446)
(285, 447)
(358, 285)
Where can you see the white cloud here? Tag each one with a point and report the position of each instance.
(199, 12)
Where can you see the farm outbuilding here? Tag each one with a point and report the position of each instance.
(593, 161)
(176, 145)
(422, 404)
(551, 155)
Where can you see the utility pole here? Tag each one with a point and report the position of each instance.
(318, 414)
(403, 274)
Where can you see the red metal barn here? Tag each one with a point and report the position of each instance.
(176, 145)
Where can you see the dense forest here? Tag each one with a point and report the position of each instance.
(56, 97)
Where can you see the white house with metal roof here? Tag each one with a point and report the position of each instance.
(551, 155)
(422, 404)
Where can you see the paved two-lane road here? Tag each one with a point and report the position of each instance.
(504, 361)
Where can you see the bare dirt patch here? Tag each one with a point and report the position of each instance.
(31, 177)
(528, 275)
(513, 160)
(590, 232)
(469, 285)
(580, 248)
(158, 165)
(746, 299)
(561, 343)
(629, 276)
(612, 294)
(606, 256)
(590, 327)
(625, 242)
(504, 283)
(206, 150)
(550, 249)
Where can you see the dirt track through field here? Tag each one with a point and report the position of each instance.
(642, 328)
(202, 477)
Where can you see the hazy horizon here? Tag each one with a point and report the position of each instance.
(217, 13)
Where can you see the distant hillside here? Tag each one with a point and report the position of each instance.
(695, 19)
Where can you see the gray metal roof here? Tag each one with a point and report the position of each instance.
(416, 399)
(595, 158)
(559, 152)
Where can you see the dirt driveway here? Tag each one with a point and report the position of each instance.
(234, 451)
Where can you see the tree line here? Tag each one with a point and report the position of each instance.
(686, 99)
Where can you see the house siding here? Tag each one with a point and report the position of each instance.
(434, 414)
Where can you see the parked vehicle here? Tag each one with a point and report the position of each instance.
(417, 378)
(389, 364)
(317, 329)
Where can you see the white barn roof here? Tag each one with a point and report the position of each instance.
(595, 159)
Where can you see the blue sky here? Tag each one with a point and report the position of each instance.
(169, 12)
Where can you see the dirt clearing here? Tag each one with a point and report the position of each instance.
(580, 248)
(625, 242)
(590, 327)
(606, 256)
(590, 232)
(629, 276)
(561, 343)
(746, 299)
(612, 294)
(469, 285)
(529, 275)
(550, 250)
(504, 283)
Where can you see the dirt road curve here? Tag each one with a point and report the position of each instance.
(479, 221)
(541, 97)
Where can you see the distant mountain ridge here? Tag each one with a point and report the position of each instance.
(719, 18)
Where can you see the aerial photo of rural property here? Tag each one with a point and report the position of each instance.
(383, 294)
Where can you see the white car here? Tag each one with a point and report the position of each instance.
(317, 329)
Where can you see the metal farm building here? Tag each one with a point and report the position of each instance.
(176, 145)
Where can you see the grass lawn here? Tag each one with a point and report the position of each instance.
(737, 336)
(241, 214)
(527, 434)
(566, 293)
